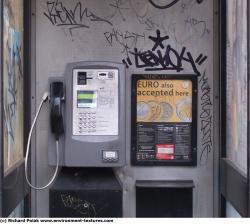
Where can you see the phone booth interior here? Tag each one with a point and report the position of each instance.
(104, 53)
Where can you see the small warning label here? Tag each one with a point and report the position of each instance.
(164, 151)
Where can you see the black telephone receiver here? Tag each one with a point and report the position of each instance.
(56, 98)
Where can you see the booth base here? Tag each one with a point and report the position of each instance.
(86, 193)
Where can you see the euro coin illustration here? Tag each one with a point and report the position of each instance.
(167, 111)
(143, 110)
(184, 110)
(155, 111)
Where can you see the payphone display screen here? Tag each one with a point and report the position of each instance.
(164, 120)
(86, 99)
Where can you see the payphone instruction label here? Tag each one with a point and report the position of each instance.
(163, 141)
(163, 120)
(95, 102)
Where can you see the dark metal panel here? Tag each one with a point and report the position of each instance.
(27, 90)
(223, 207)
(95, 192)
(248, 109)
(1, 104)
(223, 22)
(233, 186)
(216, 102)
(32, 99)
(164, 202)
(13, 190)
(223, 83)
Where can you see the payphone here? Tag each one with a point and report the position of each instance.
(87, 116)
(95, 112)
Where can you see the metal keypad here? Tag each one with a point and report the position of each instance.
(86, 122)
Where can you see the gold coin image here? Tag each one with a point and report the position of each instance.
(184, 110)
(167, 111)
(155, 111)
(143, 110)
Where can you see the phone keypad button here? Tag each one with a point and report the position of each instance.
(86, 122)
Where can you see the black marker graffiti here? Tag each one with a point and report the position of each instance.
(206, 117)
(158, 40)
(170, 59)
(60, 15)
(170, 4)
(199, 1)
(127, 40)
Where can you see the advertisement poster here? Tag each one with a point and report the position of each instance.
(12, 84)
(163, 120)
(164, 101)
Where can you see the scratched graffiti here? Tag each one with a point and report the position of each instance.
(126, 40)
(165, 58)
(118, 6)
(190, 25)
(84, 207)
(77, 17)
(199, 27)
(206, 119)
(12, 83)
(142, 15)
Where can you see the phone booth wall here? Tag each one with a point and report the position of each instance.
(148, 37)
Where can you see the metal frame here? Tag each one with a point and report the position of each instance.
(222, 201)
(1, 103)
(27, 115)
(32, 100)
(216, 102)
(234, 186)
(193, 161)
(248, 108)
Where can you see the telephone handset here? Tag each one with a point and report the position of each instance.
(56, 123)
(56, 98)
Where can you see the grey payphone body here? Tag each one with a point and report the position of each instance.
(93, 114)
